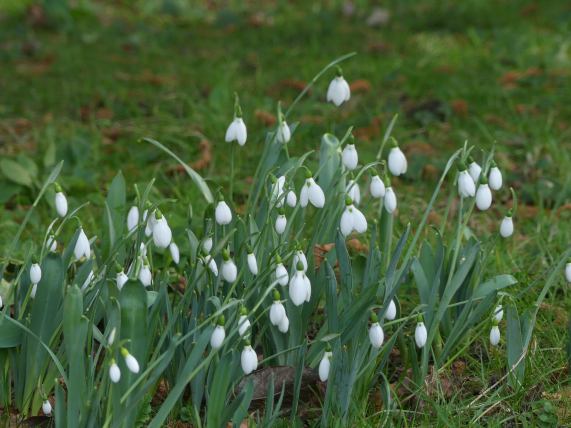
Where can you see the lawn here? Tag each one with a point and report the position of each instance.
(86, 83)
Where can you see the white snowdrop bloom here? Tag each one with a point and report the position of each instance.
(466, 186)
(352, 219)
(277, 193)
(397, 160)
(151, 221)
(132, 218)
(291, 199)
(121, 279)
(377, 187)
(495, 177)
(390, 200)
(281, 275)
(324, 366)
(114, 372)
(283, 326)
(495, 336)
(391, 312)
(350, 157)
(420, 334)
(338, 91)
(175, 252)
(61, 204)
(498, 313)
(299, 257)
(47, 406)
(229, 269)
(207, 244)
(311, 192)
(82, 247)
(243, 322)
(281, 223)
(218, 334)
(145, 275)
(88, 280)
(568, 272)
(51, 243)
(211, 263)
(130, 361)
(222, 213)
(248, 360)
(237, 131)
(277, 310)
(162, 234)
(376, 334)
(283, 134)
(252, 263)
(474, 170)
(353, 191)
(483, 196)
(35, 273)
(307, 284)
(298, 286)
(32, 293)
(111, 337)
(507, 226)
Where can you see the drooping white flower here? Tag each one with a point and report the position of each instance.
(111, 337)
(207, 244)
(283, 326)
(324, 366)
(507, 226)
(495, 336)
(498, 313)
(35, 273)
(474, 170)
(338, 91)
(252, 263)
(150, 221)
(377, 187)
(32, 293)
(88, 280)
(243, 322)
(281, 223)
(420, 334)
(281, 274)
(229, 269)
(391, 312)
(277, 310)
(130, 361)
(145, 275)
(298, 257)
(114, 372)
(82, 247)
(397, 160)
(376, 334)
(483, 195)
(61, 204)
(162, 234)
(390, 200)
(218, 334)
(47, 406)
(353, 191)
(132, 218)
(283, 133)
(248, 359)
(311, 192)
(222, 213)
(209, 261)
(495, 177)
(175, 252)
(51, 243)
(277, 193)
(466, 186)
(350, 157)
(568, 272)
(291, 199)
(120, 279)
(298, 286)
(237, 131)
(352, 219)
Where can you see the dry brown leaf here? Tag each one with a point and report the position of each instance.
(360, 85)
(265, 117)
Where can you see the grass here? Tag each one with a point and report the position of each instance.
(85, 85)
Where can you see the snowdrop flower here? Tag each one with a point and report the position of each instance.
(218, 334)
(298, 257)
(277, 194)
(111, 337)
(175, 252)
(391, 312)
(281, 223)
(207, 244)
(229, 269)
(338, 91)
(376, 334)
(252, 263)
(114, 372)
(51, 243)
(298, 286)
(507, 226)
(352, 219)
(248, 359)
(35, 273)
(222, 213)
(325, 365)
(283, 133)
(420, 333)
(349, 156)
(47, 406)
(495, 177)
(277, 310)
(162, 234)
(495, 335)
(88, 280)
(291, 199)
(243, 322)
(82, 247)
(150, 220)
(209, 261)
(498, 313)
(281, 272)
(311, 192)
(145, 275)
(32, 293)
(568, 272)
(60, 201)
(120, 278)
(483, 195)
(377, 187)
(283, 326)
(390, 200)
(474, 170)
(237, 129)
(353, 191)
(466, 186)
(130, 361)
(397, 160)
(132, 218)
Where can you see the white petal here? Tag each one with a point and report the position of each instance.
(281, 223)
(474, 170)
(35, 273)
(61, 204)
(277, 192)
(229, 271)
(376, 335)
(252, 264)
(207, 245)
(466, 186)
(222, 213)
(243, 325)
(377, 187)
(495, 178)
(175, 252)
(498, 313)
(316, 195)
(350, 157)
(359, 221)
(283, 133)
(391, 312)
(281, 275)
(145, 276)
(483, 197)
(283, 326)
(390, 200)
(277, 312)
(241, 132)
(324, 366)
(568, 272)
(307, 284)
(297, 290)
(132, 218)
(507, 227)
(299, 257)
(420, 335)
(162, 234)
(47, 406)
(291, 199)
(397, 161)
(494, 336)
(121, 279)
(132, 363)
(217, 337)
(346, 224)
(114, 373)
(230, 132)
(354, 192)
(304, 195)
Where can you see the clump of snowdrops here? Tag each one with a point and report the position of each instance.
(96, 321)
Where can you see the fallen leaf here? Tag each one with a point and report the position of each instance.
(360, 85)
(266, 118)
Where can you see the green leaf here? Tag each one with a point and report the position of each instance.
(515, 348)
(492, 285)
(10, 334)
(114, 213)
(15, 172)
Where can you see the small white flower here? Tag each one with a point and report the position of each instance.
(218, 334)
(391, 312)
(132, 218)
(495, 177)
(207, 244)
(252, 264)
(338, 91)
(114, 372)
(145, 275)
(474, 170)
(311, 192)
(353, 191)
(397, 160)
(298, 286)
(211, 263)
(151, 220)
(298, 257)
(390, 200)
(237, 131)
(61, 204)
(352, 219)
(243, 324)
(420, 334)
(377, 187)
(277, 310)
(175, 252)
(466, 186)
(281, 275)
(121, 279)
(222, 213)
(350, 157)
(111, 337)
(51, 243)
(32, 293)
(88, 280)
(507, 226)
(283, 134)
(283, 326)
(46, 405)
(495, 336)
(498, 313)
(324, 366)
(162, 234)
(483, 197)
(130, 361)
(229, 269)
(35, 273)
(568, 272)
(277, 193)
(376, 335)
(248, 360)
(281, 223)
(291, 199)
(82, 247)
